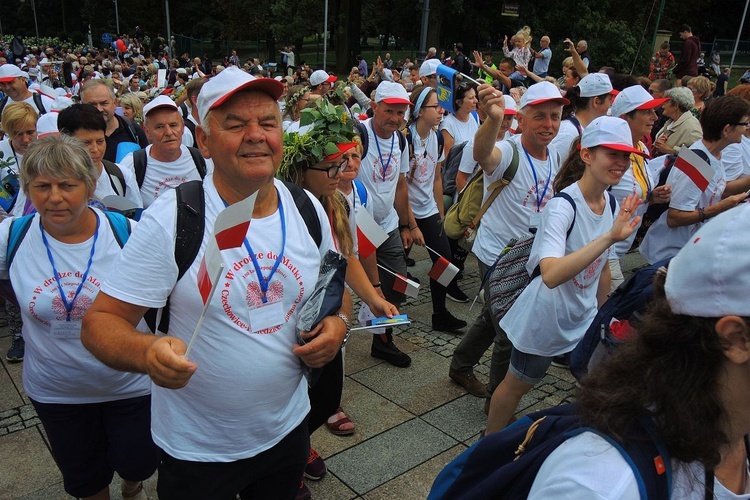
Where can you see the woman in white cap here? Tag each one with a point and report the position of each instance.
(577, 229)
(590, 99)
(698, 194)
(687, 371)
(425, 188)
(637, 107)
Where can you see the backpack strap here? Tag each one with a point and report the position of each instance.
(191, 127)
(120, 225)
(497, 186)
(574, 120)
(361, 191)
(140, 158)
(441, 143)
(200, 162)
(567, 197)
(116, 178)
(363, 136)
(307, 211)
(130, 128)
(38, 103)
(18, 229)
(401, 140)
(3, 102)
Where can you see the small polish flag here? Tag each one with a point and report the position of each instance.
(405, 285)
(443, 271)
(230, 230)
(695, 167)
(369, 234)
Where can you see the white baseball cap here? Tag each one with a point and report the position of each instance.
(319, 76)
(9, 72)
(542, 92)
(709, 277)
(47, 124)
(218, 89)
(429, 67)
(510, 106)
(632, 98)
(391, 93)
(609, 132)
(595, 84)
(161, 101)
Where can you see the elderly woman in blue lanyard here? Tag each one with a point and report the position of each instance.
(97, 419)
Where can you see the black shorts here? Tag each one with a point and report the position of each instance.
(92, 441)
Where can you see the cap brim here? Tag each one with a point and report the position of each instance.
(653, 103)
(563, 101)
(7, 79)
(622, 147)
(331, 79)
(396, 100)
(614, 92)
(510, 112)
(265, 85)
(343, 148)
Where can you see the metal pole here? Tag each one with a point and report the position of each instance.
(33, 7)
(425, 23)
(739, 33)
(325, 36)
(117, 18)
(91, 40)
(656, 28)
(169, 30)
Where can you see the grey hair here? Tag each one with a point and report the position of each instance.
(682, 97)
(204, 123)
(57, 157)
(95, 82)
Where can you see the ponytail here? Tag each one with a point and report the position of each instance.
(572, 168)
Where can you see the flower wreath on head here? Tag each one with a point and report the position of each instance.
(329, 131)
(297, 95)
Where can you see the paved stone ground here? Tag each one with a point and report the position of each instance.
(410, 422)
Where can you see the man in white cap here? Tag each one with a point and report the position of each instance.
(320, 82)
(166, 162)
(14, 85)
(592, 98)
(238, 421)
(382, 171)
(428, 72)
(515, 212)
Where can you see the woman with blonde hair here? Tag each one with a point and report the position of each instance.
(132, 107)
(702, 89)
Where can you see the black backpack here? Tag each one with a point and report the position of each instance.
(140, 158)
(37, 102)
(450, 168)
(365, 138)
(191, 224)
(115, 174)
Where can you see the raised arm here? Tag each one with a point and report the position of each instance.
(485, 152)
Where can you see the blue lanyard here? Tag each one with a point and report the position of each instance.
(380, 154)
(539, 199)
(262, 280)
(69, 305)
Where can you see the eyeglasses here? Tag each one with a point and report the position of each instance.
(433, 106)
(333, 170)
(743, 124)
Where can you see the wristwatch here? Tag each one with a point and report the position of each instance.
(348, 327)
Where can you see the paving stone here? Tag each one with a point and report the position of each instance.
(460, 418)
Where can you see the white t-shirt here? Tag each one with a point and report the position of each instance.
(627, 186)
(735, 159)
(57, 368)
(104, 186)
(510, 214)
(47, 102)
(420, 179)
(379, 172)
(249, 390)
(460, 131)
(564, 138)
(550, 322)
(587, 467)
(662, 241)
(163, 176)
(468, 164)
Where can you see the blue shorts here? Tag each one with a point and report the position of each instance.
(528, 368)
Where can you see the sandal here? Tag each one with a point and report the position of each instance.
(341, 426)
(137, 494)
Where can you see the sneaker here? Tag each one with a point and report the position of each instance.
(561, 361)
(15, 353)
(415, 280)
(389, 352)
(445, 322)
(456, 295)
(316, 468)
(468, 381)
(303, 493)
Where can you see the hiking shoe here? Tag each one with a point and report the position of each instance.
(468, 381)
(561, 361)
(17, 348)
(303, 493)
(456, 295)
(445, 322)
(316, 468)
(389, 352)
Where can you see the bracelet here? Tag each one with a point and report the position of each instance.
(403, 226)
(702, 215)
(376, 285)
(413, 228)
(348, 327)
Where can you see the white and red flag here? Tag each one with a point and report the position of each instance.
(695, 167)
(369, 234)
(443, 271)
